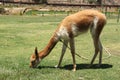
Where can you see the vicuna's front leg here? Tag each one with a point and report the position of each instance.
(72, 48)
(65, 43)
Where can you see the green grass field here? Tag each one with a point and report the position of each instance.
(19, 35)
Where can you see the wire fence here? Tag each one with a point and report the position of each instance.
(110, 13)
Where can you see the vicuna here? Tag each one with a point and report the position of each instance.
(70, 27)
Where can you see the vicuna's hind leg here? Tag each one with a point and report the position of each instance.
(98, 48)
(95, 32)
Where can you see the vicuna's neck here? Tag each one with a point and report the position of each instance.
(51, 44)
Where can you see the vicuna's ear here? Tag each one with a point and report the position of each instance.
(36, 53)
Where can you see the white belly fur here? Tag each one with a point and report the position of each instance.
(63, 33)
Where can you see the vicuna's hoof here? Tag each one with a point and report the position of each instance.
(73, 70)
(56, 66)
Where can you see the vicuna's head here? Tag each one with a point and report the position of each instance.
(34, 59)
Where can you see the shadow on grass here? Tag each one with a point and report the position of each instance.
(86, 66)
(81, 66)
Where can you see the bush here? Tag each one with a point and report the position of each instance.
(2, 10)
(92, 1)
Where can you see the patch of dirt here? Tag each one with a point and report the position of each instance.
(114, 52)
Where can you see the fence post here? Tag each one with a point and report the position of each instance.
(118, 15)
(55, 13)
(67, 13)
(42, 13)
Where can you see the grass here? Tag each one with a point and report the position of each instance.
(19, 35)
(36, 12)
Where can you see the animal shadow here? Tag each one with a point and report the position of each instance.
(80, 66)
(87, 66)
